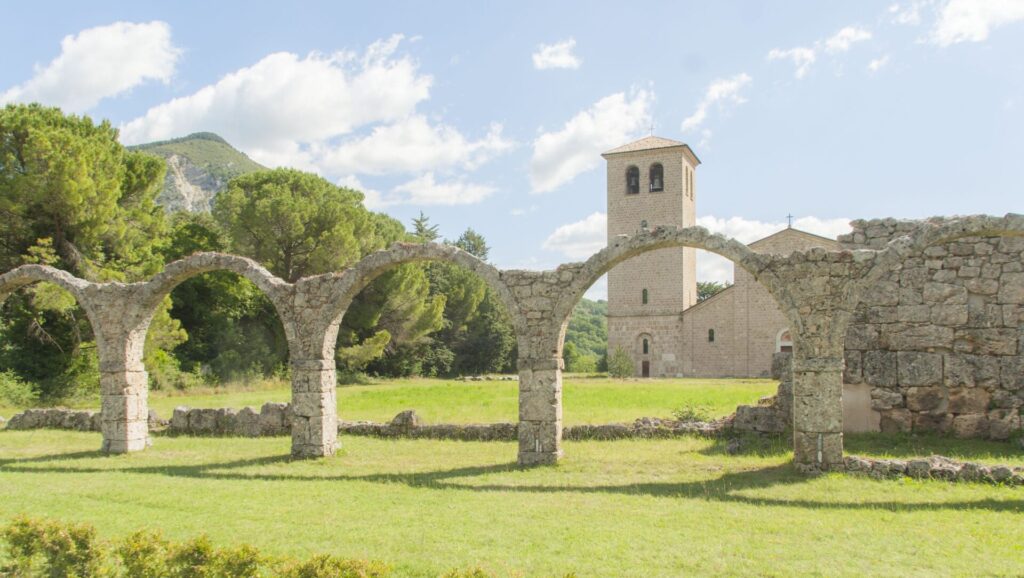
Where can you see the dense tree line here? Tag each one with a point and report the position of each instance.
(73, 197)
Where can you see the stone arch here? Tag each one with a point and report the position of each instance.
(813, 288)
(25, 275)
(625, 248)
(181, 270)
(321, 302)
(356, 278)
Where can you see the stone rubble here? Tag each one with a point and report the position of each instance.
(935, 467)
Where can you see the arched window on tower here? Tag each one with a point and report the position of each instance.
(632, 181)
(657, 178)
(711, 335)
(643, 297)
(647, 346)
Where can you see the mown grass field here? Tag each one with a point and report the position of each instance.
(585, 400)
(624, 508)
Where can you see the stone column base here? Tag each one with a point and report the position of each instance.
(314, 409)
(124, 411)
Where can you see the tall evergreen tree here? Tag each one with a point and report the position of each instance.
(74, 198)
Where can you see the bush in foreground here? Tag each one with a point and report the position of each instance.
(47, 548)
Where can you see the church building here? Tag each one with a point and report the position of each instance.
(653, 312)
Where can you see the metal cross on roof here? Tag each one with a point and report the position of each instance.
(790, 218)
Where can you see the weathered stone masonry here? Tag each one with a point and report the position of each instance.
(939, 339)
(817, 290)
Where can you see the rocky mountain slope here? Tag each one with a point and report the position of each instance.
(198, 167)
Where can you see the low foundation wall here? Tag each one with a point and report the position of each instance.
(934, 467)
(275, 419)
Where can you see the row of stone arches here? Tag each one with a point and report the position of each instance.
(817, 291)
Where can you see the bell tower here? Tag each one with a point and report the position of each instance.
(651, 182)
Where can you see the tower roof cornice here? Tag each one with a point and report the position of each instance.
(651, 143)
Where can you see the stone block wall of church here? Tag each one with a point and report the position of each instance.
(940, 342)
(664, 334)
(746, 319)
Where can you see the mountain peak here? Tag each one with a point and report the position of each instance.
(198, 167)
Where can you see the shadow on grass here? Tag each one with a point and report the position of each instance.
(729, 487)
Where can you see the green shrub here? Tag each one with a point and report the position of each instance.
(242, 562)
(324, 566)
(66, 550)
(193, 559)
(691, 412)
(620, 364)
(16, 392)
(24, 538)
(467, 573)
(143, 555)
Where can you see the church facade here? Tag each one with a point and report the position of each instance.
(653, 312)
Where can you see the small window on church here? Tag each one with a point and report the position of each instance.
(632, 181)
(643, 225)
(643, 297)
(657, 178)
(711, 335)
(646, 347)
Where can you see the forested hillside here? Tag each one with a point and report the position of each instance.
(586, 338)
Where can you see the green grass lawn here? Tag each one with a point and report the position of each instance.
(624, 508)
(585, 400)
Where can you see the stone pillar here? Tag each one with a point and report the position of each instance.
(314, 408)
(124, 409)
(119, 322)
(540, 411)
(817, 412)
(311, 319)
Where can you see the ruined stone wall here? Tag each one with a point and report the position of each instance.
(939, 341)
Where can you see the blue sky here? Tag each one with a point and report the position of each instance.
(494, 116)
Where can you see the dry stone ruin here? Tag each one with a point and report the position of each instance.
(938, 340)
(819, 291)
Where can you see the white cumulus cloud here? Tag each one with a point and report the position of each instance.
(343, 114)
(973, 20)
(558, 157)
(842, 41)
(425, 190)
(99, 63)
(581, 239)
(276, 107)
(413, 145)
(909, 14)
(557, 55)
(878, 63)
(721, 91)
(801, 56)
